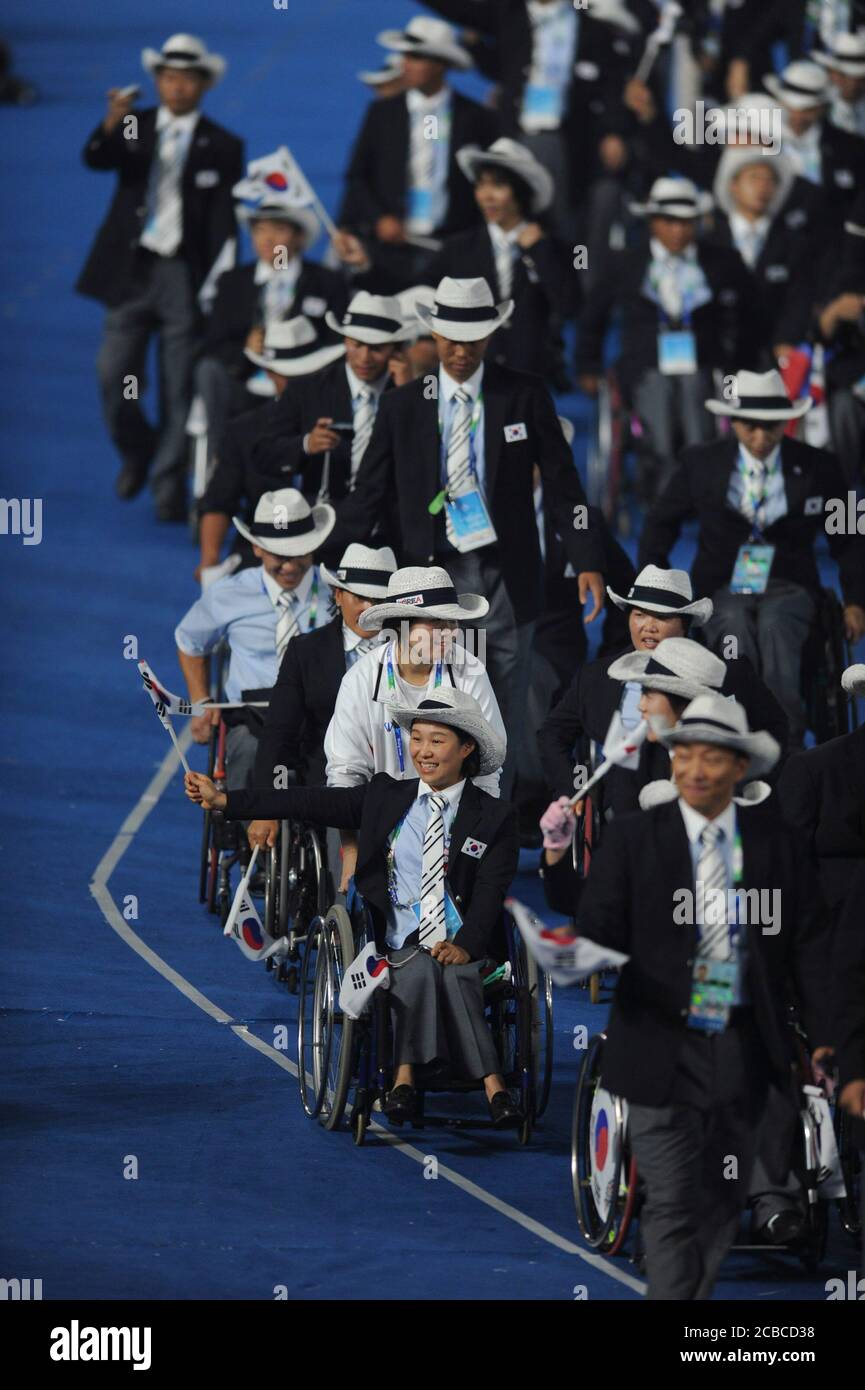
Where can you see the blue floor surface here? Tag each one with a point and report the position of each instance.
(104, 1060)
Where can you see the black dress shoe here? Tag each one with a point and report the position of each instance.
(400, 1103)
(786, 1227)
(505, 1115)
(130, 480)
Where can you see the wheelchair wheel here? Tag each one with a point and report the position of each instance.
(335, 1058)
(313, 1037)
(515, 1026)
(851, 1167)
(603, 1176)
(271, 887)
(541, 994)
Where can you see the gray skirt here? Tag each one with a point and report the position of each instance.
(438, 1014)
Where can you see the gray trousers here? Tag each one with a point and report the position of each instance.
(438, 1014)
(771, 630)
(672, 406)
(847, 429)
(241, 747)
(223, 396)
(164, 305)
(695, 1158)
(506, 648)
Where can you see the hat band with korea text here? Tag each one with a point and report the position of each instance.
(426, 598)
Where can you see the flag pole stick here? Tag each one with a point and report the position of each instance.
(179, 750)
(238, 894)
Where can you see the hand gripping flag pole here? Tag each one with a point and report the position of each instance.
(162, 713)
(619, 755)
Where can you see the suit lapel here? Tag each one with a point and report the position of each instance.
(468, 817)
(673, 849)
(495, 411)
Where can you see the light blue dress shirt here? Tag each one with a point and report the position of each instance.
(240, 608)
(408, 856)
(728, 823)
(447, 390)
(776, 492)
(629, 705)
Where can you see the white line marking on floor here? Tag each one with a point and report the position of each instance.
(110, 911)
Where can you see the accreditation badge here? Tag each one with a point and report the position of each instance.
(752, 569)
(713, 989)
(677, 353)
(470, 522)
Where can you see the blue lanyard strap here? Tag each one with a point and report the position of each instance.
(391, 685)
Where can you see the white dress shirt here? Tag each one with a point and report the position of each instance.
(351, 640)
(774, 504)
(428, 159)
(555, 34)
(676, 283)
(506, 250)
(749, 236)
(280, 286)
(163, 226)
(804, 152)
(360, 739)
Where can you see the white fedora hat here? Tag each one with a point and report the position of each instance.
(464, 310)
(846, 55)
(184, 52)
(760, 396)
(458, 710)
(667, 592)
(293, 348)
(370, 318)
(738, 157)
(801, 84)
(853, 679)
(285, 524)
(509, 154)
(663, 790)
(723, 723)
(389, 71)
(362, 571)
(281, 209)
(677, 666)
(674, 198)
(427, 38)
(420, 592)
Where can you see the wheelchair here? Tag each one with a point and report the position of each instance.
(605, 1179)
(344, 1066)
(297, 889)
(825, 656)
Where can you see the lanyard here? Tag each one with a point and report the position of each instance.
(473, 429)
(391, 865)
(391, 685)
(313, 604)
(754, 498)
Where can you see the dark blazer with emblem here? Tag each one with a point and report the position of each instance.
(377, 175)
(238, 307)
(698, 489)
(301, 706)
(213, 165)
(727, 335)
(627, 904)
(588, 705)
(822, 792)
(403, 463)
(848, 971)
(477, 886)
(278, 450)
(543, 285)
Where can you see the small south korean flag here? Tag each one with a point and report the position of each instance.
(474, 848)
(515, 432)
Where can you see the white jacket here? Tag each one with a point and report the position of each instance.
(360, 739)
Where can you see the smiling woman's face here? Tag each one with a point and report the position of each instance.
(438, 753)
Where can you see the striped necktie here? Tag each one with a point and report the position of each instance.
(163, 230)
(432, 876)
(712, 874)
(287, 625)
(279, 291)
(459, 470)
(364, 419)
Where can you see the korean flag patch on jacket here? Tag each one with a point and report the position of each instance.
(474, 848)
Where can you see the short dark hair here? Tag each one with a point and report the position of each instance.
(678, 704)
(520, 189)
(472, 760)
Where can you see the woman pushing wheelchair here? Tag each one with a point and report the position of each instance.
(436, 856)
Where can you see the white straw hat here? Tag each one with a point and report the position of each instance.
(760, 396)
(389, 71)
(362, 570)
(509, 154)
(663, 790)
(293, 348)
(674, 198)
(184, 52)
(723, 723)
(285, 524)
(853, 679)
(370, 318)
(281, 209)
(846, 55)
(419, 592)
(464, 310)
(738, 157)
(801, 85)
(427, 38)
(456, 709)
(667, 592)
(677, 666)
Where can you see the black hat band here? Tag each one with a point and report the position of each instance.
(265, 530)
(655, 668)
(383, 325)
(362, 576)
(667, 597)
(760, 403)
(464, 315)
(425, 598)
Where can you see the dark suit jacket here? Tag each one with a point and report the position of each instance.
(727, 335)
(377, 175)
(403, 463)
(278, 451)
(114, 265)
(238, 307)
(628, 905)
(605, 57)
(698, 489)
(301, 705)
(848, 970)
(478, 886)
(588, 705)
(543, 284)
(234, 486)
(821, 791)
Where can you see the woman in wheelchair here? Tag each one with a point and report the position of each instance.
(436, 856)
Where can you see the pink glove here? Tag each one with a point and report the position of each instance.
(558, 824)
